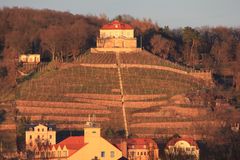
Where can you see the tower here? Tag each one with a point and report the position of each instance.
(92, 131)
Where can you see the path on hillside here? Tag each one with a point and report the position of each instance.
(122, 94)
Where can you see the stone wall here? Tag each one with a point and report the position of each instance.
(104, 50)
(205, 75)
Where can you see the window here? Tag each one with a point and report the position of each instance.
(30, 137)
(65, 153)
(53, 154)
(112, 154)
(38, 130)
(50, 136)
(43, 130)
(59, 153)
(102, 154)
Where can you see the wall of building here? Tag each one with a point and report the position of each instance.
(182, 146)
(116, 43)
(40, 133)
(95, 149)
(135, 154)
(29, 58)
(128, 33)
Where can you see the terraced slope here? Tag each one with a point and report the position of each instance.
(137, 92)
(70, 95)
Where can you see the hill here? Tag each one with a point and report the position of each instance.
(136, 92)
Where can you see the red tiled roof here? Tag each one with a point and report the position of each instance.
(116, 25)
(139, 143)
(173, 141)
(73, 142)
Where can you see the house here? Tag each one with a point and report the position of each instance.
(116, 36)
(29, 58)
(183, 147)
(39, 134)
(91, 146)
(138, 148)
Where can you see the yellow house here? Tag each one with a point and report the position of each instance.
(29, 58)
(183, 147)
(39, 134)
(91, 146)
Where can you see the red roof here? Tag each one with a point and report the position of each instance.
(139, 143)
(116, 25)
(73, 144)
(173, 141)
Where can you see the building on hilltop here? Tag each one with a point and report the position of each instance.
(185, 148)
(40, 134)
(91, 146)
(30, 58)
(138, 148)
(116, 36)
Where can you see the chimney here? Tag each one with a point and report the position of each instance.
(123, 147)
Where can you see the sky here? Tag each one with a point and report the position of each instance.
(172, 13)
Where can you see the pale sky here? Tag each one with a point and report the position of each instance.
(172, 13)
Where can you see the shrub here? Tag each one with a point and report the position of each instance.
(3, 72)
(2, 115)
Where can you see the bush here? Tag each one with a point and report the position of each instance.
(3, 72)
(2, 115)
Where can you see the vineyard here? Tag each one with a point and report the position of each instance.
(149, 59)
(152, 101)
